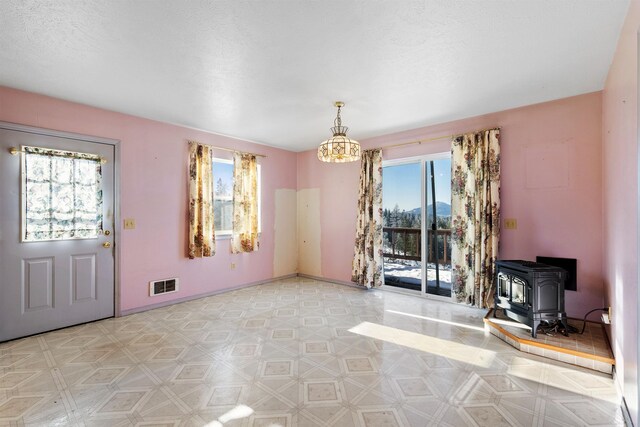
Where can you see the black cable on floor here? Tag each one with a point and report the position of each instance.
(584, 319)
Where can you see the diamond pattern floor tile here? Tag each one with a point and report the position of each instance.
(296, 352)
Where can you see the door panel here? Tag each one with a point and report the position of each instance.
(37, 284)
(83, 273)
(46, 285)
(438, 217)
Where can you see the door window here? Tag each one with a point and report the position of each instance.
(61, 195)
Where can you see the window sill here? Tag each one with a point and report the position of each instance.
(228, 236)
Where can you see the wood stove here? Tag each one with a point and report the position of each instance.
(530, 292)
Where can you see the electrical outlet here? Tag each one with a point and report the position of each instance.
(510, 223)
(233, 265)
(129, 223)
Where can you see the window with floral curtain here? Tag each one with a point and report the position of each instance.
(244, 236)
(475, 209)
(368, 259)
(202, 237)
(62, 195)
(223, 197)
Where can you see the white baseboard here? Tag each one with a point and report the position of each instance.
(623, 405)
(337, 282)
(625, 413)
(203, 295)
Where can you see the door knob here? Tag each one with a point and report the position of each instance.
(106, 244)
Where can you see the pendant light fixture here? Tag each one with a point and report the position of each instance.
(339, 148)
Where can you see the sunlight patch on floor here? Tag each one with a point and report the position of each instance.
(239, 412)
(447, 322)
(449, 349)
(505, 322)
(565, 378)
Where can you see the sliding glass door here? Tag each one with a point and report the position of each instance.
(402, 225)
(417, 224)
(438, 225)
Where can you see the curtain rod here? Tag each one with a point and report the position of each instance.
(420, 141)
(227, 149)
(15, 151)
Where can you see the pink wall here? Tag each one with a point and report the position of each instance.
(620, 202)
(153, 191)
(551, 183)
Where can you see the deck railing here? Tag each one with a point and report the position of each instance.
(405, 243)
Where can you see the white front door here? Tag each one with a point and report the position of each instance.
(56, 241)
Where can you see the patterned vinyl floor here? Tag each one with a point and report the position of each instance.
(297, 352)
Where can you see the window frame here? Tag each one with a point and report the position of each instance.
(24, 152)
(226, 234)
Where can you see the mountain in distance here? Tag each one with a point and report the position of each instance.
(442, 209)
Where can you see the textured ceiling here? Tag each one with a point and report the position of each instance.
(268, 71)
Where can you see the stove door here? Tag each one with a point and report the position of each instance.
(519, 291)
(503, 291)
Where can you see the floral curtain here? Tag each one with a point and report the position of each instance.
(63, 195)
(202, 236)
(245, 203)
(367, 261)
(475, 208)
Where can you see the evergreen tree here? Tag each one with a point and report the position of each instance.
(395, 216)
(221, 188)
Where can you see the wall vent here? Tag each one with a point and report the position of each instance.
(164, 286)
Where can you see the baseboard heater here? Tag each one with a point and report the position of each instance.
(164, 286)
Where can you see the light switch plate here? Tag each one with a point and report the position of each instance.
(129, 223)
